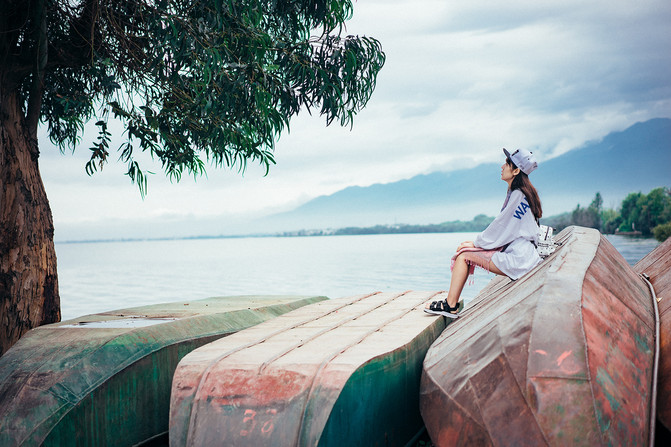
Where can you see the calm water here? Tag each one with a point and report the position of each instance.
(96, 277)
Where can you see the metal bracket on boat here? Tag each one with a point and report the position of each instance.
(652, 290)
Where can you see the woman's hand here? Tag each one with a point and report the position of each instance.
(466, 244)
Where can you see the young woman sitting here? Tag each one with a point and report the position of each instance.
(508, 245)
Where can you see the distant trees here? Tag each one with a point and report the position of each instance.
(590, 216)
(611, 221)
(647, 214)
(643, 213)
(478, 223)
(662, 232)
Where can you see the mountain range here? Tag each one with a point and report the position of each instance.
(635, 159)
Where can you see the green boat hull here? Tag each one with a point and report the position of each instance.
(105, 379)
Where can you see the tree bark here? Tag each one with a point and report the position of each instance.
(28, 279)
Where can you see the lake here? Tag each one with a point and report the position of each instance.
(102, 276)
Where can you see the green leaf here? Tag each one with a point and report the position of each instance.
(193, 82)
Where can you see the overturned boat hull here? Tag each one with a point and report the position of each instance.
(105, 379)
(657, 267)
(335, 373)
(562, 356)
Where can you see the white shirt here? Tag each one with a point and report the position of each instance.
(515, 229)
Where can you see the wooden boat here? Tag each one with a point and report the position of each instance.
(105, 379)
(562, 356)
(657, 266)
(342, 372)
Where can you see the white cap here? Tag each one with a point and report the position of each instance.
(523, 159)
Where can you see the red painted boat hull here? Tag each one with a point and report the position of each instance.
(562, 356)
(657, 265)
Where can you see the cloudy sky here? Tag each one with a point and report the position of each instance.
(462, 80)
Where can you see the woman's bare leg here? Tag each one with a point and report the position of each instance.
(457, 281)
(459, 277)
(494, 269)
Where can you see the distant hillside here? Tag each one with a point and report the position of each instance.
(636, 159)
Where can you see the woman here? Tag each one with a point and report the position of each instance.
(508, 245)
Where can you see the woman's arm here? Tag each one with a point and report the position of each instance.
(466, 244)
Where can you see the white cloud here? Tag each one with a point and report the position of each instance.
(462, 80)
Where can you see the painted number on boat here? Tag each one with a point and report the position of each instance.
(250, 421)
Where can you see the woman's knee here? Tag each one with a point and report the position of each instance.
(460, 261)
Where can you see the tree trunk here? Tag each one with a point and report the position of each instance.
(28, 279)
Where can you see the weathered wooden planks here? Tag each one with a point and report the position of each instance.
(105, 379)
(339, 372)
(657, 265)
(562, 356)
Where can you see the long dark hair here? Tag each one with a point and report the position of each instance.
(521, 181)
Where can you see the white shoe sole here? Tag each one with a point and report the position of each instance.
(443, 313)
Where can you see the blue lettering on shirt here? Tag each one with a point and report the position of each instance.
(521, 210)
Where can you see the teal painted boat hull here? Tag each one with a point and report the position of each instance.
(105, 379)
